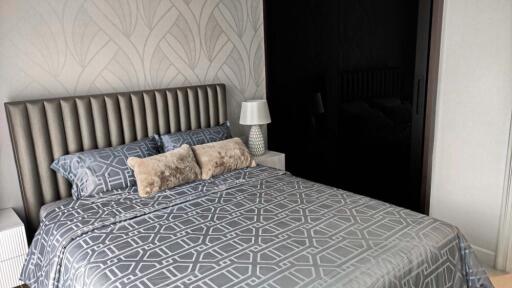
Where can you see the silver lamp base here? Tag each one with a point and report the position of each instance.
(256, 141)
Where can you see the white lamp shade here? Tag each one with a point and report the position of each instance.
(254, 112)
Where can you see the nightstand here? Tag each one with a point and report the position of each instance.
(271, 159)
(13, 248)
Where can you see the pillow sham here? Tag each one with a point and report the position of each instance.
(223, 156)
(68, 166)
(96, 171)
(173, 141)
(165, 170)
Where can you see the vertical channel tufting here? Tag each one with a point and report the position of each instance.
(163, 112)
(193, 108)
(139, 115)
(57, 140)
(42, 150)
(183, 110)
(86, 123)
(203, 107)
(99, 114)
(174, 114)
(151, 112)
(114, 120)
(213, 105)
(25, 159)
(43, 130)
(125, 105)
(71, 126)
(221, 97)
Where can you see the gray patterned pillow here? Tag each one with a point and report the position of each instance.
(173, 141)
(96, 171)
(68, 166)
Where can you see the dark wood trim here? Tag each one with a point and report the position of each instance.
(430, 112)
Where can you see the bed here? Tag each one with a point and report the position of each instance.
(253, 227)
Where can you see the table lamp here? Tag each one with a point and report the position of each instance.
(255, 113)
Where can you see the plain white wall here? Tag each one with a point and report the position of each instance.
(473, 116)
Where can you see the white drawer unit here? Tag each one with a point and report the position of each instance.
(13, 248)
(271, 159)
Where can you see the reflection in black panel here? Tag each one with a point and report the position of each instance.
(340, 79)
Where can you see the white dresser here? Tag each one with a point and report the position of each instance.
(13, 248)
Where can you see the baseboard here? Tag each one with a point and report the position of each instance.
(486, 257)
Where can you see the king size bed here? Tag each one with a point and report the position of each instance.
(250, 227)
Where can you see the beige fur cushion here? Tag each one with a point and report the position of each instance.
(165, 170)
(223, 156)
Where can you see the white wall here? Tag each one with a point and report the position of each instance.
(75, 47)
(473, 116)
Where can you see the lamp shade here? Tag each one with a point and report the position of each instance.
(254, 112)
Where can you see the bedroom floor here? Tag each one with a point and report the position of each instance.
(503, 281)
(500, 279)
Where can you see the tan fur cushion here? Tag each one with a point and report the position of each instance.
(165, 170)
(223, 156)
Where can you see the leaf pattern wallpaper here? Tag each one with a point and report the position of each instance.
(52, 48)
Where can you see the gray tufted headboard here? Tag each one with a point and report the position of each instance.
(42, 130)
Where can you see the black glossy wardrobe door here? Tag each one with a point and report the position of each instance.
(346, 90)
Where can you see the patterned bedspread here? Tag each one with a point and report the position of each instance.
(255, 227)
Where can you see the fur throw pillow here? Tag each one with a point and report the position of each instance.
(165, 170)
(223, 156)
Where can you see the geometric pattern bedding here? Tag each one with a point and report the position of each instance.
(255, 227)
(194, 137)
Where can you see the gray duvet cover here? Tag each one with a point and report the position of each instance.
(255, 227)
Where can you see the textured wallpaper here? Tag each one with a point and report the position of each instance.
(51, 48)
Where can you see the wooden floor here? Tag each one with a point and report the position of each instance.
(502, 281)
